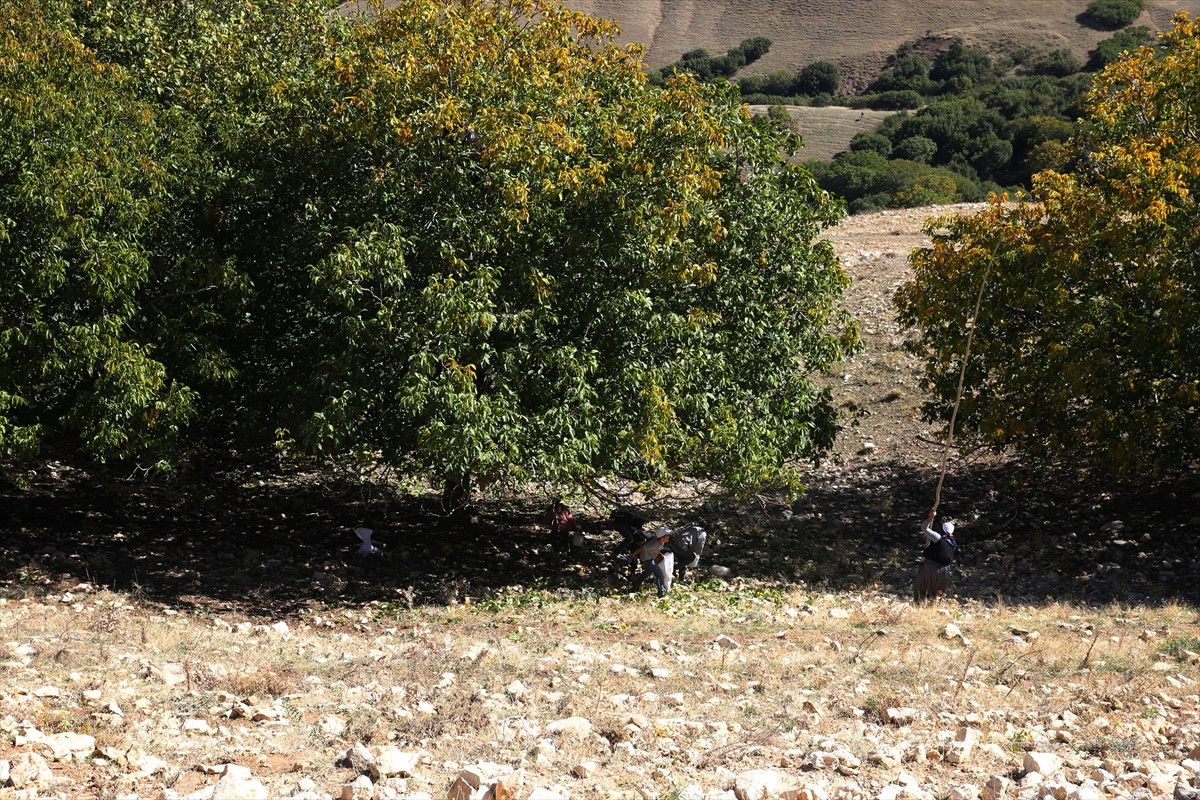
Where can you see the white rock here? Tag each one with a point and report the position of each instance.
(1045, 763)
(516, 689)
(332, 726)
(584, 769)
(361, 759)
(360, 789)
(147, 765)
(726, 643)
(540, 793)
(761, 784)
(170, 673)
(1087, 791)
(839, 613)
(660, 672)
(30, 771)
(997, 788)
(68, 746)
(577, 727)
(965, 740)
(46, 691)
(235, 787)
(196, 726)
(392, 761)
(964, 791)
(475, 651)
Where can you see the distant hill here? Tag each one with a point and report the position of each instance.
(857, 36)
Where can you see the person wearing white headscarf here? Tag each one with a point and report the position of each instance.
(657, 560)
(933, 576)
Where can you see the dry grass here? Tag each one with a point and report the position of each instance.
(471, 683)
(856, 36)
(828, 130)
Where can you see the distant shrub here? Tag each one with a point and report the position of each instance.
(921, 149)
(1113, 14)
(707, 67)
(755, 48)
(907, 71)
(760, 99)
(1117, 45)
(779, 114)
(876, 142)
(780, 82)
(819, 77)
(962, 60)
(888, 101)
(1059, 63)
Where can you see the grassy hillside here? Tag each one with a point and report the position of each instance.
(828, 130)
(857, 37)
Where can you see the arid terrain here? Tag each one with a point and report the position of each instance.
(858, 37)
(154, 635)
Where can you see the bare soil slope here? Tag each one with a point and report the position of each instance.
(854, 34)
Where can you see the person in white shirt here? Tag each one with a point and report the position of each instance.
(933, 576)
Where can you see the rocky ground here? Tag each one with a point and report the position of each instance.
(147, 650)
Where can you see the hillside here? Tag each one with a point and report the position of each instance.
(827, 130)
(154, 636)
(856, 36)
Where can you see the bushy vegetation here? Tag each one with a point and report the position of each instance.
(453, 244)
(1113, 14)
(1084, 345)
(705, 67)
(1117, 45)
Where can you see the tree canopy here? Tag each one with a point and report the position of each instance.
(1085, 344)
(457, 238)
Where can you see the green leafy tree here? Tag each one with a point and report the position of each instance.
(86, 169)
(868, 140)
(462, 239)
(962, 61)
(1084, 345)
(907, 71)
(915, 148)
(819, 77)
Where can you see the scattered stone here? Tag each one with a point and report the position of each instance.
(1042, 763)
(360, 789)
(394, 762)
(236, 784)
(30, 771)
(67, 746)
(576, 727)
(763, 784)
(361, 759)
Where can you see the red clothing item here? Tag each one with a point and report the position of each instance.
(558, 518)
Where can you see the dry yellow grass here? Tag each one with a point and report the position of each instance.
(466, 683)
(850, 34)
(828, 130)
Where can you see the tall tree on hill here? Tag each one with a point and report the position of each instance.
(463, 238)
(1085, 342)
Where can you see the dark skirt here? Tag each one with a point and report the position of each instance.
(932, 579)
